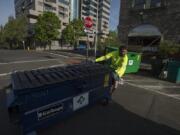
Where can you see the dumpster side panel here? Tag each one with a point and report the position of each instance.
(58, 93)
(174, 71)
(59, 110)
(134, 60)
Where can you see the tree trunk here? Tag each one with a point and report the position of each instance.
(49, 44)
(44, 45)
(10, 45)
(49, 47)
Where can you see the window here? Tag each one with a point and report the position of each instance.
(40, 3)
(53, 1)
(64, 2)
(142, 4)
(139, 4)
(49, 8)
(155, 3)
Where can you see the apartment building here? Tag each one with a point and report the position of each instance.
(68, 10)
(99, 11)
(147, 22)
(103, 18)
(90, 8)
(33, 8)
(74, 9)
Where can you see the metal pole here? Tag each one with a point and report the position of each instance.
(87, 49)
(95, 47)
(96, 33)
(43, 6)
(23, 45)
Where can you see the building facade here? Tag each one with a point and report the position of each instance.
(99, 11)
(33, 8)
(104, 17)
(68, 10)
(74, 9)
(147, 22)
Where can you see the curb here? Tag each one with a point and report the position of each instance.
(150, 105)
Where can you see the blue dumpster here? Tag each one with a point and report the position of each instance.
(42, 97)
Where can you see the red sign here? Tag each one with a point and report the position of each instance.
(88, 22)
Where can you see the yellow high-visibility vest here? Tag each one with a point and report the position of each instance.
(118, 63)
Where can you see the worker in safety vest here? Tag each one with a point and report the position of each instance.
(119, 61)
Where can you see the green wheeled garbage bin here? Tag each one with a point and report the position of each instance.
(174, 71)
(134, 60)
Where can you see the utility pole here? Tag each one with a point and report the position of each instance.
(23, 14)
(96, 33)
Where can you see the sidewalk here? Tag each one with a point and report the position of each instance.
(151, 98)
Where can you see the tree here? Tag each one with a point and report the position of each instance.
(73, 32)
(68, 35)
(169, 49)
(47, 28)
(112, 39)
(15, 31)
(1, 35)
(78, 27)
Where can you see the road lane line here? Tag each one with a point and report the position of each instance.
(78, 56)
(5, 74)
(151, 86)
(30, 61)
(57, 54)
(155, 91)
(9, 73)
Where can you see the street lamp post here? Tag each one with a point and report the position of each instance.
(23, 9)
(142, 16)
(23, 44)
(95, 46)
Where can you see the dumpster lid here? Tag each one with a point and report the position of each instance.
(23, 80)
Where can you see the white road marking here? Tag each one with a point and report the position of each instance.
(57, 54)
(5, 74)
(30, 61)
(78, 56)
(9, 73)
(160, 86)
(155, 91)
(147, 80)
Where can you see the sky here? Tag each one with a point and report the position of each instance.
(7, 9)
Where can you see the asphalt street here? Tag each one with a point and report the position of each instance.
(109, 120)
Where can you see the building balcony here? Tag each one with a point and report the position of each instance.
(50, 1)
(32, 13)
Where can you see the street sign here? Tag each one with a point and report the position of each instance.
(88, 22)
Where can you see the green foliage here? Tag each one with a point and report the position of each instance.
(100, 45)
(169, 48)
(68, 35)
(15, 31)
(112, 39)
(73, 31)
(78, 27)
(1, 35)
(47, 27)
